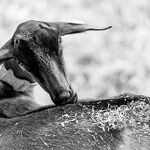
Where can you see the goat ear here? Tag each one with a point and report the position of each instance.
(70, 28)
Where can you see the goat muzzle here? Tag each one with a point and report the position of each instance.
(66, 98)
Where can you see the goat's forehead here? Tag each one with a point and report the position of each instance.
(28, 27)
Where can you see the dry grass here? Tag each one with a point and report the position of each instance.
(135, 116)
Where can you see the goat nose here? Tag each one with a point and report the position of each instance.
(65, 95)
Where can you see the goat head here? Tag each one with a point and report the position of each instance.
(37, 47)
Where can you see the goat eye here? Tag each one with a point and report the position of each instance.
(16, 42)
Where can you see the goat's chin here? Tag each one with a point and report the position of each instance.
(72, 98)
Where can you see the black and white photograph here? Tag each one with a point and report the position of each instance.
(75, 75)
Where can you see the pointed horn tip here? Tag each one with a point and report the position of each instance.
(101, 29)
(109, 27)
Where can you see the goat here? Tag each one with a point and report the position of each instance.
(86, 125)
(40, 36)
(82, 125)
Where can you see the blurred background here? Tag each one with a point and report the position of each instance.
(99, 64)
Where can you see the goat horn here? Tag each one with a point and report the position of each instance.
(65, 28)
(70, 28)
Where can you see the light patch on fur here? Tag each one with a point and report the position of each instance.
(38, 94)
(19, 85)
(43, 25)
